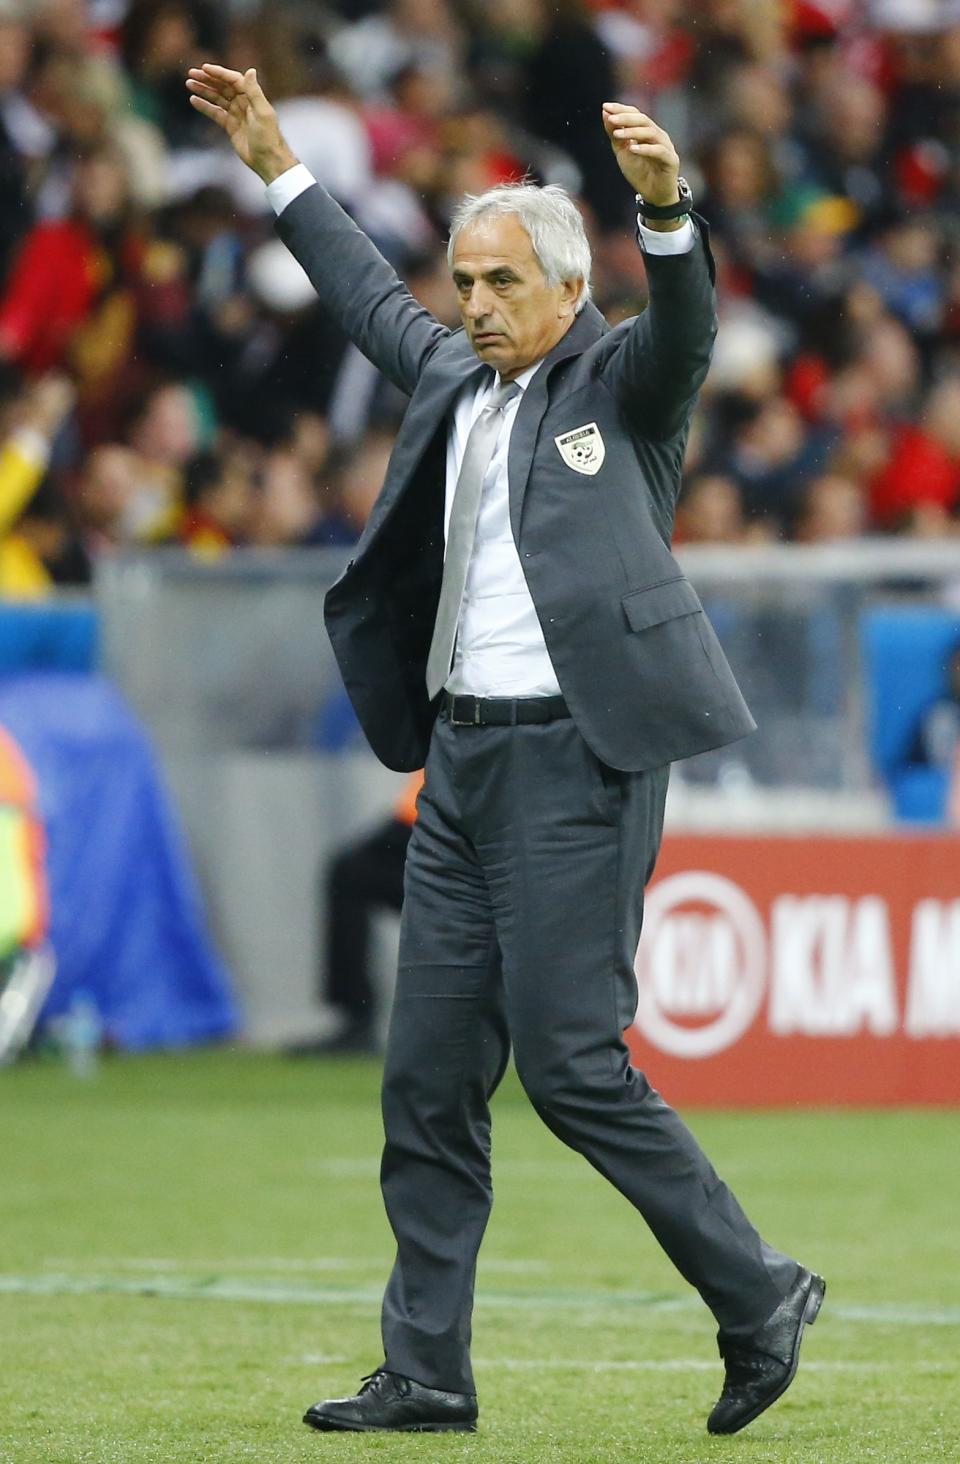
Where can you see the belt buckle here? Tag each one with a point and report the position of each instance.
(473, 721)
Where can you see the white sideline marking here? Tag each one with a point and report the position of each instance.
(258, 1265)
(359, 1167)
(367, 1166)
(514, 1268)
(227, 1288)
(220, 1265)
(182, 1288)
(668, 1364)
(218, 1287)
(898, 1312)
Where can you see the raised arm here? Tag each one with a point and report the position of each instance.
(661, 365)
(350, 275)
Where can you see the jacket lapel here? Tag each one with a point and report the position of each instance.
(446, 375)
(588, 327)
(425, 416)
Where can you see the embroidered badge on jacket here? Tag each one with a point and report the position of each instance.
(582, 449)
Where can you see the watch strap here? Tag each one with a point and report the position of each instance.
(676, 210)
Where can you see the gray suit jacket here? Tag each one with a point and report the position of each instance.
(635, 656)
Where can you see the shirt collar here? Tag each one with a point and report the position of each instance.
(525, 377)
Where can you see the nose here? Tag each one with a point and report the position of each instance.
(477, 303)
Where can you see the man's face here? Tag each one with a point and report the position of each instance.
(101, 189)
(511, 315)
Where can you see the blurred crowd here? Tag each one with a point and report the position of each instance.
(167, 378)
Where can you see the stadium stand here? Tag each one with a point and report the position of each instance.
(216, 407)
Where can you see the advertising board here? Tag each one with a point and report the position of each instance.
(802, 970)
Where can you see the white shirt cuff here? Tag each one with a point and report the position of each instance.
(652, 241)
(283, 190)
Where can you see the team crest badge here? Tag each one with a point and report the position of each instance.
(582, 449)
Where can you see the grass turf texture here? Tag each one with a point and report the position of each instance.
(192, 1250)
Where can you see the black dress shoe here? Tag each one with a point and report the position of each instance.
(759, 1369)
(389, 1401)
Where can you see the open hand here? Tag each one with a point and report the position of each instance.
(235, 101)
(647, 158)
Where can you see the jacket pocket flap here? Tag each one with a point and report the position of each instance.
(657, 603)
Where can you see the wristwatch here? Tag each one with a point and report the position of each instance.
(676, 210)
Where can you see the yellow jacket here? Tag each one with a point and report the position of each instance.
(23, 462)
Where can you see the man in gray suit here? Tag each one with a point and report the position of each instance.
(513, 617)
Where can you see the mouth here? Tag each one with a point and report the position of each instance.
(487, 337)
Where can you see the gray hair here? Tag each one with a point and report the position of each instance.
(551, 219)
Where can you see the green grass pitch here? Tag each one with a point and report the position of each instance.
(192, 1250)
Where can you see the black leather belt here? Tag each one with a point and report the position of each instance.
(501, 711)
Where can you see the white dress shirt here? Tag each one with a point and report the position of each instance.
(500, 648)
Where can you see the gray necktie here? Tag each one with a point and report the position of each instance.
(461, 533)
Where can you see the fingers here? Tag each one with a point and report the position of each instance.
(615, 114)
(214, 110)
(641, 135)
(625, 123)
(197, 89)
(648, 142)
(255, 92)
(633, 131)
(621, 115)
(208, 87)
(223, 75)
(225, 83)
(657, 150)
(219, 86)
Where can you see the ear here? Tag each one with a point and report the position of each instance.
(569, 295)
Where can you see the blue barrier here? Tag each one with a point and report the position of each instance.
(49, 636)
(127, 924)
(906, 649)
